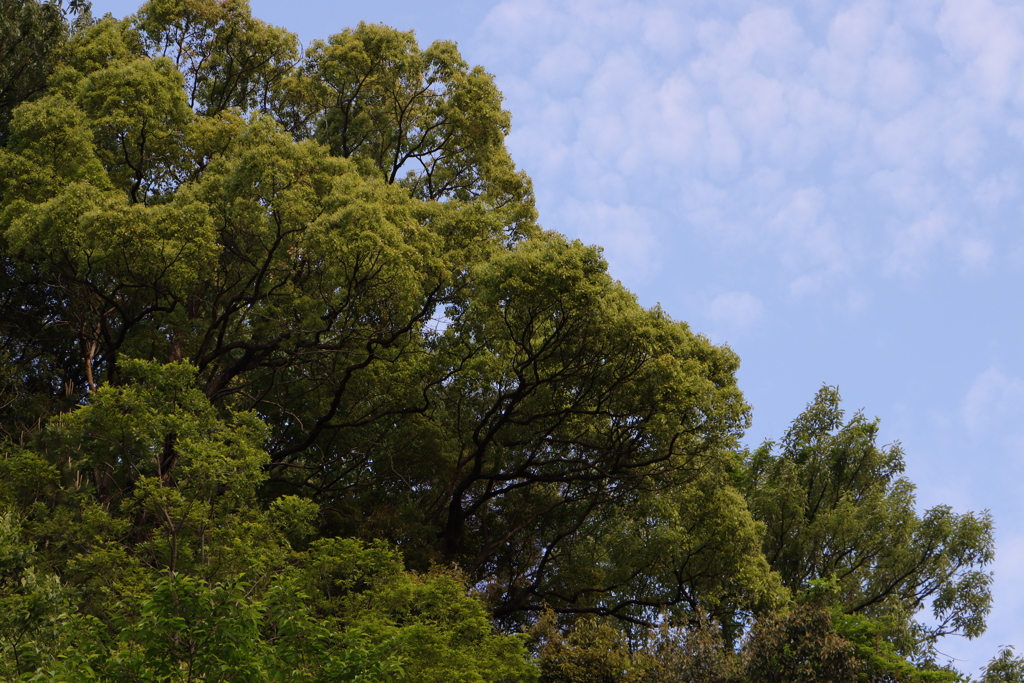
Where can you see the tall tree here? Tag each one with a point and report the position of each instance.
(228, 58)
(837, 510)
(431, 367)
(275, 315)
(575, 454)
(421, 118)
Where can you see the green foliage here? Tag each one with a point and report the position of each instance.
(363, 619)
(419, 117)
(554, 373)
(189, 630)
(154, 449)
(800, 646)
(288, 367)
(33, 604)
(836, 508)
(697, 652)
(31, 36)
(440, 633)
(227, 57)
(878, 657)
(592, 651)
(137, 112)
(206, 585)
(1004, 668)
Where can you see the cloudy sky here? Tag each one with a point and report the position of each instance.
(834, 189)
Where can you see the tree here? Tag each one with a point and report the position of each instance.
(837, 510)
(592, 651)
(564, 456)
(437, 631)
(31, 36)
(421, 118)
(33, 604)
(227, 57)
(287, 361)
(697, 653)
(399, 628)
(1004, 668)
(800, 647)
(182, 573)
(547, 410)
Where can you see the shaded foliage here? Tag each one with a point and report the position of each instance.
(293, 387)
(31, 37)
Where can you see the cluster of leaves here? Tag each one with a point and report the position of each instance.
(293, 387)
(189, 576)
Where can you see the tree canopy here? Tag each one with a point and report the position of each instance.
(836, 509)
(295, 387)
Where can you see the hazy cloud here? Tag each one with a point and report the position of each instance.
(623, 231)
(888, 123)
(992, 400)
(736, 310)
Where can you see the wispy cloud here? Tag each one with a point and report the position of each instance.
(993, 399)
(624, 232)
(890, 124)
(736, 310)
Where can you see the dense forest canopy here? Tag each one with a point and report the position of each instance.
(295, 387)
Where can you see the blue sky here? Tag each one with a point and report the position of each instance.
(834, 189)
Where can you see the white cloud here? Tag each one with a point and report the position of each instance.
(856, 301)
(913, 244)
(992, 399)
(562, 65)
(737, 310)
(893, 83)
(800, 223)
(724, 153)
(997, 188)
(856, 32)
(975, 253)
(625, 233)
(666, 31)
(676, 124)
(868, 115)
(986, 37)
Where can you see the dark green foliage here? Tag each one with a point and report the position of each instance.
(592, 651)
(181, 571)
(800, 647)
(697, 653)
(31, 37)
(836, 508)
(293, 387)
